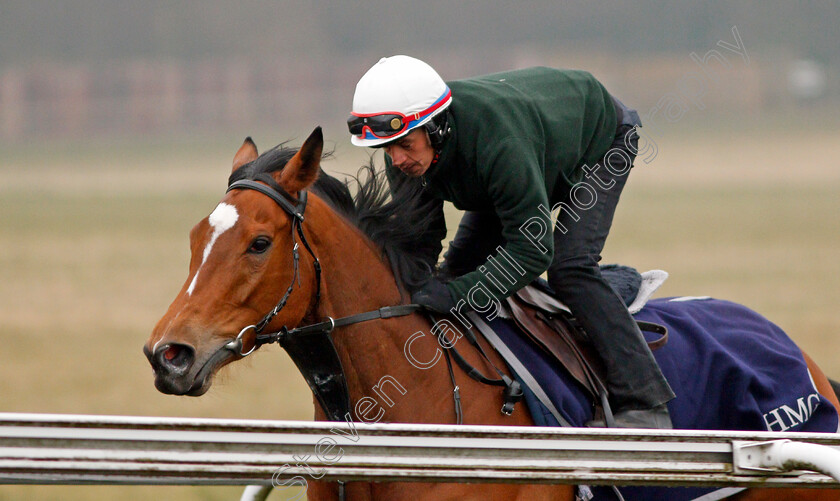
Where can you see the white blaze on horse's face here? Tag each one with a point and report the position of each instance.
(221, 219)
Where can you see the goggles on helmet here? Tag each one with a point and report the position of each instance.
(389, 124)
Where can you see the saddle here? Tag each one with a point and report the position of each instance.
(550, 325)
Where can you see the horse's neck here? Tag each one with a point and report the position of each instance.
(354, 276)
(356, 279)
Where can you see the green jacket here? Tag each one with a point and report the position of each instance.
(519, 140)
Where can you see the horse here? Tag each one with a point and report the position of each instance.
(270, 258)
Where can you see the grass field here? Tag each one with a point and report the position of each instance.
(93, 247)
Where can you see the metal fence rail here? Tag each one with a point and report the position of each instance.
(78, 449)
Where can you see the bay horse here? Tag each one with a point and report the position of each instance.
(334, 261)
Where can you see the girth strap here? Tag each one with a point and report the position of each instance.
(657, 329)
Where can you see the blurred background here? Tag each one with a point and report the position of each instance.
(119, 120)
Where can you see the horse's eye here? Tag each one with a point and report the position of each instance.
(259, 245)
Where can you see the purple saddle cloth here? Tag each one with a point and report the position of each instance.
(731, 369)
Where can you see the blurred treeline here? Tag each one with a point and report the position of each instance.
(77, 69)
(93, 30)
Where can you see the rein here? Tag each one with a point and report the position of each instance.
(331, 323)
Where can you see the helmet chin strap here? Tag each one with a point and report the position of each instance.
(438, 129)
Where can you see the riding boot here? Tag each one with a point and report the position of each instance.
(638, 392)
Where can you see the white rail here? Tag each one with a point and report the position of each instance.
(79, 449)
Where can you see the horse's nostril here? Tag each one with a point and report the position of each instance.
(172, 352)
(175, 357)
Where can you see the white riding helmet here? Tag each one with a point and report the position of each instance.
(398, 94)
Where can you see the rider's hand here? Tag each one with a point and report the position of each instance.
(435, 296)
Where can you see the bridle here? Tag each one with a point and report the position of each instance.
(310, 347)
(284, 199)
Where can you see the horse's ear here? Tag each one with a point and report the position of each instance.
(247, 153)
(303, 168)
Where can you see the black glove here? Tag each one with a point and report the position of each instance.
(435, 296)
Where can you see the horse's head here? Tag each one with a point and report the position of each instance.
(242, 264)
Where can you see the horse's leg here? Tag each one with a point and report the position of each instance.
(474, 492)
(824, 387)
(412, 491)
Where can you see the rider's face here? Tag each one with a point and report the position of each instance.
(413, 153)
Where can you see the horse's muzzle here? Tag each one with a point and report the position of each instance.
(173, 364)
(178, 372)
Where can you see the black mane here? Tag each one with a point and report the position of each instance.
(395, 216)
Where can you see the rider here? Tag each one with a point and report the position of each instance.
(509, 148)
